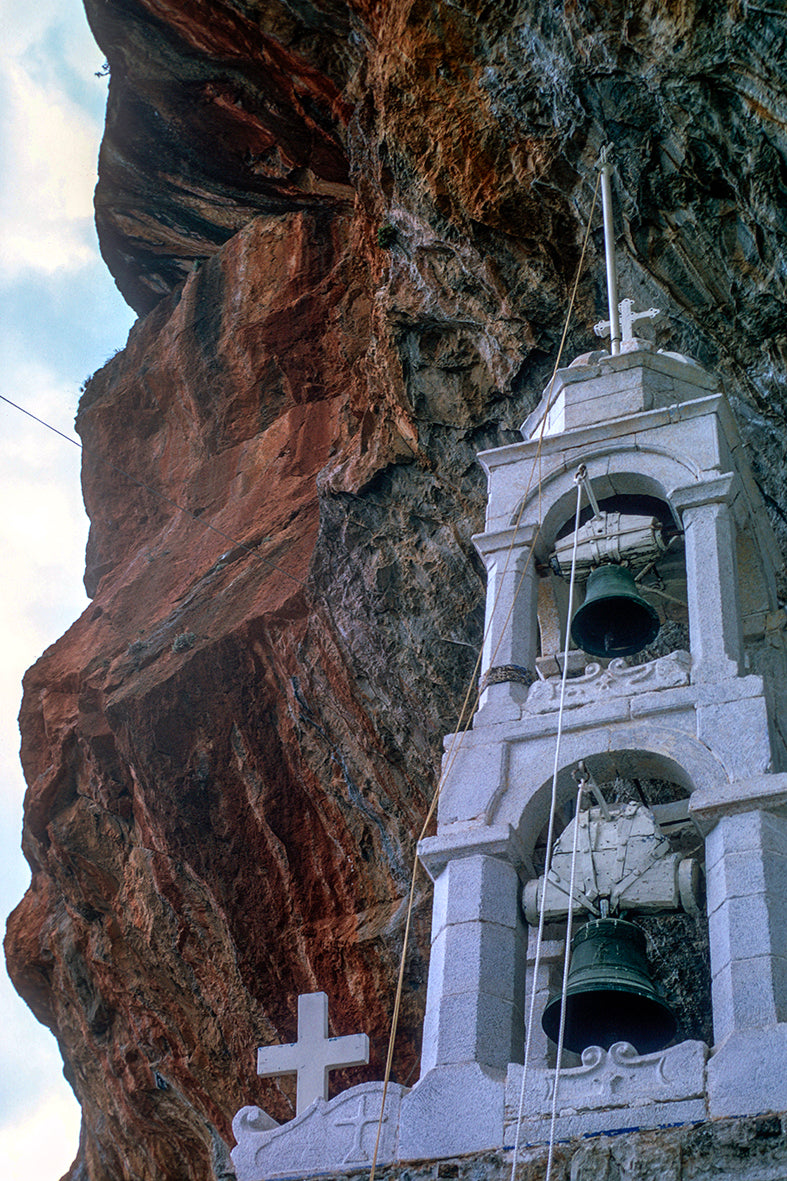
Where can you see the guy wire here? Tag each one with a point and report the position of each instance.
(465, 719)
(550, 837)
(153, 491)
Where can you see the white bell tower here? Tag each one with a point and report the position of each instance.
(653, 436)
(649, 442)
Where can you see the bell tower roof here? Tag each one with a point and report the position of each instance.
(597, 388)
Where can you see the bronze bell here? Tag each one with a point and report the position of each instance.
(610, 995)
(614, 619)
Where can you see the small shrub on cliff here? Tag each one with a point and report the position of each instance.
(183, 642)
(386, 235)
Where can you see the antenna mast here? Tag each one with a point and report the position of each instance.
(609, 250)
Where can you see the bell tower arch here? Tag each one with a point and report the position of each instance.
(668, 492)
(629, 739)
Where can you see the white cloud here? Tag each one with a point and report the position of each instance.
(50, 158)
(42, 1144)
(24, 24)
(43, 530)
(49, 136)
(42, 537)
(48, 35)
(39, 596)
(51, 128)
(43, 516)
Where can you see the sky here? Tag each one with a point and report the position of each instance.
(61, 317)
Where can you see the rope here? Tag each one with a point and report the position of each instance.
(550, 830)
(564, 987)
(465, 718)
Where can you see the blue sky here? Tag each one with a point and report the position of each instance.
(61, 317)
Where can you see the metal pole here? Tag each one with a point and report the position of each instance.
(609, 249)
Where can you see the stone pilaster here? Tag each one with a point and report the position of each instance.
(475, 996)
(511, 622)
(747, 903)
(712, 577)
(746, 852)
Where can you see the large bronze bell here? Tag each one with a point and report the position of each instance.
(614, 619)
(610, 995)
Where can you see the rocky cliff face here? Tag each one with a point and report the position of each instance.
(350, 229)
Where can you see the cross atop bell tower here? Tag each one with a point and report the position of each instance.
(673, 507)
(631, 476)
(628, 321)
(622, 317)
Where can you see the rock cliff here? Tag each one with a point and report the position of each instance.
(350, 230)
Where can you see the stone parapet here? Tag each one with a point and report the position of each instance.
(606, 387)
(695, 1149)
(610, 1090)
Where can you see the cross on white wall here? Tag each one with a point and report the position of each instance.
(364, 1117)
(314, 1054)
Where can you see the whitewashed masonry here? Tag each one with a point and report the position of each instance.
(650, 425)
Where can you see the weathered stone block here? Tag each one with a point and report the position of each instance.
(337, 1135)
(711, 802)
(614, 1078)
(615, 387)
(748, 1073)
(477, 1027)
(472, 888)
(749, 994)
(746, 832)
(735, 876)
(477, 955)
(473, 771)
(741, 928)
(618, 679)
(738, 735)
(452, 1110)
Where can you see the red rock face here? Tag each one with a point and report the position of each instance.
(230, 754)
(216, 113)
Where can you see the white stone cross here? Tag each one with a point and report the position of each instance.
(314, 1054)
(628, 318)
